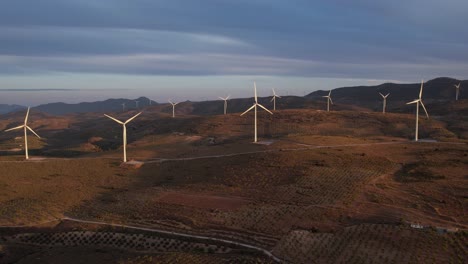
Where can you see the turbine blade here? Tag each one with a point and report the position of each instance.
(133, 117)
(387, 95)
(413, 102)
(421, 90)
(329, 93)
(265, 108)
(427, 114)
(27, 115)
(221, 98)
(255, 92)
(248, 109)
(331, 101)
(278, 96)
(273, 91)
(30, 129)
(118, 121)
(170, 101)
(382, 95)
(228, 97)
(14, 128)
(272, 98)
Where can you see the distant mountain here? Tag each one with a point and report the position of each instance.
(437, 93)
(438, 90)
(109, 105)
(5, 108)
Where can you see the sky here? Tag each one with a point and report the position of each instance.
(88, 50)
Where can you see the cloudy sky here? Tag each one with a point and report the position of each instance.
(198, 50)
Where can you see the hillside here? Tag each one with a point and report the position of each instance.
(6, 108)
(436, 91)
(109, 105)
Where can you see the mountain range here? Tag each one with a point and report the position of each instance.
(437, 91)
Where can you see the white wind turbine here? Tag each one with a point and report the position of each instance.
(273, 99)
(225, 102)
(123, 107)
(329, 100)
(384, 101)
(26, 127)
(136, 102)
(173, 107)
(457, 91)
(417, 101)
(124, 133)
(254, 106)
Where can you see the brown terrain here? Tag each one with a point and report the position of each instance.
(320, 187)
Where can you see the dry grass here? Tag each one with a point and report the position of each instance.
(285, 199)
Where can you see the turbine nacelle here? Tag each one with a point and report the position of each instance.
(224, 99)
(384, 96)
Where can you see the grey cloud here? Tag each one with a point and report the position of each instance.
(342, 37)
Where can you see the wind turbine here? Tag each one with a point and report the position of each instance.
(274, 99)
(417, 101)
(384, 101)
(254, 106)
(136, 102)
(149, 101)
(329, 100)
(123, 107)
(25, 127)
(173, 107)
(124, 133)
(225, 102)
(457, 91)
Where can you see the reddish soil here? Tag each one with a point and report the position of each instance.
(203, 201)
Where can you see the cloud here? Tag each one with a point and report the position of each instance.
(361, 39)
(195, 64)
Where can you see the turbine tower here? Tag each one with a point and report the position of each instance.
(254, 106)
(225, 102)
(173, 108)
(25, 127)
(136, 102)
(384, 101)
(273, 99)
(123, 107)
(417, 101)
(329, 100)
(457, 91)
(124, 133)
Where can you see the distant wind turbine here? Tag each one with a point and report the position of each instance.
(384, 101)
(124, 133)
(254, 106)
(123, 107)
(417, 101)
(26, 127)
(273, 99)
(225, 102)
(173, 107)
(457, 91)
(136, 102)
(329, 100)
